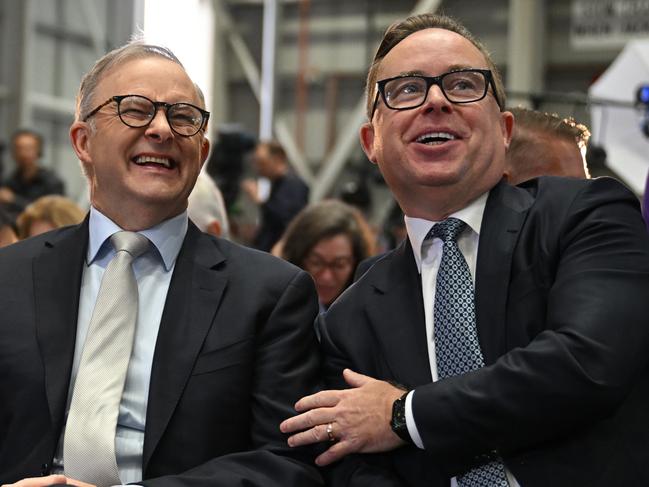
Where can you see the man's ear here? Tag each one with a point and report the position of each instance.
(80, 139)
(214, 228)
(205, 150)
(507, 124)
(366, 134)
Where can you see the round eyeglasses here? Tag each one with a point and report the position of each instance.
(138, 111)
(411, 91)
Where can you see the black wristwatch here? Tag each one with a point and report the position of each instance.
(398, 421)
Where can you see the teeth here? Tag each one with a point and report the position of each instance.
(435, 137)
(163, 161)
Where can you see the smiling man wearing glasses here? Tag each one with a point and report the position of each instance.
(133, 347)
(504, 343)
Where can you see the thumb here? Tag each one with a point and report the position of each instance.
(354, 379)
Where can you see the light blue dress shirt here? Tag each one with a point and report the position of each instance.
(153, 271)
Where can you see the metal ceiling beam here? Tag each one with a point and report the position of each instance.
(268, 51)
(347, 139)
(252, 74)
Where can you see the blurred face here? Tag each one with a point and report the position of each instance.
(566, 159)
(331, 263)
(25, 150)
(552, 156)
(40, 226)
(7, 236)
(440, 150)
(264, 163)
(150, 170)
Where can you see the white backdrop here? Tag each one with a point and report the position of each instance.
(617, 129)
(187, 28)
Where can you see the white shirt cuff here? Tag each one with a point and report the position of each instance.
(410, 422)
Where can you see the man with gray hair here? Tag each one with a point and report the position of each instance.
(133, 347)
(206, 207)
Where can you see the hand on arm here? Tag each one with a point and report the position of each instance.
(249, 186)
(358, 418)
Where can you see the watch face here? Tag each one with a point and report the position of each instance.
(398, 423)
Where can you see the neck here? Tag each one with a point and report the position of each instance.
(437, 205)
(28, 172)
(137, 219)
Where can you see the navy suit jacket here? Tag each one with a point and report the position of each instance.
(234, 351)
(562, 300)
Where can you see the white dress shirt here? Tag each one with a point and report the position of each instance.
(153, 271)
(428, 254)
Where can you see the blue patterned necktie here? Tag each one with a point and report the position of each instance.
(456, 339)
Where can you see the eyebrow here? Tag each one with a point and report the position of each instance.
(455, 67)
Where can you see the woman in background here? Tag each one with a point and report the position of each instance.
(328, 240)
(48, 213)
(7, 230)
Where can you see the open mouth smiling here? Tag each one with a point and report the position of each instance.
(435, 138)
(155, 161)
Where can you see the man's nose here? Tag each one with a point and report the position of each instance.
(159, 125)
(435, 98)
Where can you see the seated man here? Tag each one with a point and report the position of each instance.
(504, 343)
(133, 347)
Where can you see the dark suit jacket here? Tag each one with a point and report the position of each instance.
(288, 195)
(562, 300)
(234, 351)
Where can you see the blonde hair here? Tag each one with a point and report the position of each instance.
(57, 210)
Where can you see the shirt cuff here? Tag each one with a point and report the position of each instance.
(410, 422)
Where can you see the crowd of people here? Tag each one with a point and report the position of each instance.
(498, 340)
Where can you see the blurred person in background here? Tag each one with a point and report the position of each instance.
(29, 181)
(328, 239)
(48, 213)
(206, 207)
(288, 193)
(645, 203)
(7, 229)
(544, 144)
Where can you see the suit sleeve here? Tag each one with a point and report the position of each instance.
(355, 470)
(585, 361)
(286, 368)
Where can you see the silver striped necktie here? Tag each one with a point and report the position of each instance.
(89, 441)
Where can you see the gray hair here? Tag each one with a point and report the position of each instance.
(133, 50)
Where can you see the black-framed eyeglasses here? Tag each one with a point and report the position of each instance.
(138, 111)
(315, 264)
(411, 91)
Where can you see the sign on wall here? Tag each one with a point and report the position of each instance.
(608, 23)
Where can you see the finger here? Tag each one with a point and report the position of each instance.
(322, 399)
(334, 453)
(316, 434)
(355, 379)
(41, 481)
(79, 483)
(307, 420)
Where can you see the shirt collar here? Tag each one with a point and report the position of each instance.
(418, 228)
(167, 236)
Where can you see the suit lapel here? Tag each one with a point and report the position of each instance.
(193, 298)
(57, 278)
(504, 215)
(396, 313)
